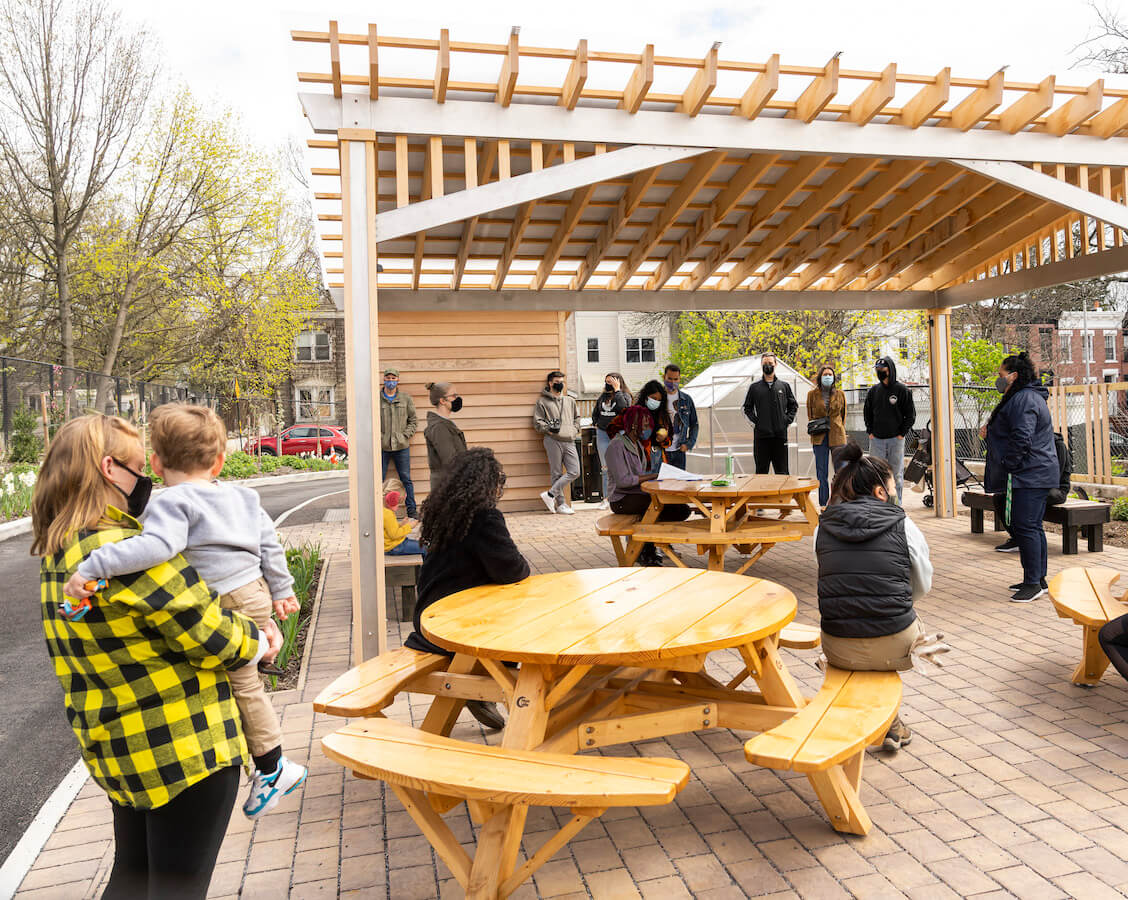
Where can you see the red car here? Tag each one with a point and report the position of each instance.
(319, 440)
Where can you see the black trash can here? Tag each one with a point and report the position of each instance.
(589, 486)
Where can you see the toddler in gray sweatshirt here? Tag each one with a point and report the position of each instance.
(227, 537)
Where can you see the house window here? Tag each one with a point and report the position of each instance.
(1110, 347)
(1046, 343)
(593, 349)
(1065, 341)
(903, 349)
(314, 403)
(1087, 347)
(313, 346)
(640, 350)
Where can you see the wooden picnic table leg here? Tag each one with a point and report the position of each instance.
(444, 711)
(500, 838)
(834, 786)
(634, 547)
(1093, 660)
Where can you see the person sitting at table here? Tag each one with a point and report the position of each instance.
(654, 398)
(628, 466)
(468, 545)
(872, 565)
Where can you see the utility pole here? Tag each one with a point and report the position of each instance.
(1087, 339)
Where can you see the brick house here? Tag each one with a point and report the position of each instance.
(315, 390)
(1079, 347)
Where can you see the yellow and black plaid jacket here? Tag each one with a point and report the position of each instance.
(145, 673)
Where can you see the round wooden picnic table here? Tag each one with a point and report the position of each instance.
(730, 516)
(619, 617)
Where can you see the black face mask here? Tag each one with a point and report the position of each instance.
(138, 498)
(768, 368)
(558, 386)
(456, 404)
(882, 374)
(607, 388)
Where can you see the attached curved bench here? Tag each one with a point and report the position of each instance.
(503, 783)
(797, 636)
(618, 526)
(373, 685)
(827, 740)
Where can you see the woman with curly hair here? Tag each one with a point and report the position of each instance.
(467, 545)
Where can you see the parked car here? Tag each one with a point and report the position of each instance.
(304, 440)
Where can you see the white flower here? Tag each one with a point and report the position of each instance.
(28, 479)
(9, 482)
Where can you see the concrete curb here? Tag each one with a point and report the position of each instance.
(23, 526)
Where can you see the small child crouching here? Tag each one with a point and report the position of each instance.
(396, 540)
(230, 541)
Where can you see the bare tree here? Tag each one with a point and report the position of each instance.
(1107, 46)
(74, 84)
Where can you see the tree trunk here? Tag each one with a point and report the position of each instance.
(116, 334)
(66, 323)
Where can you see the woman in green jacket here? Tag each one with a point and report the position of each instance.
(143, 668)
(445, 440)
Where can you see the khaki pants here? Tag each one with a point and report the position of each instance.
(888, 653)
(260, 722)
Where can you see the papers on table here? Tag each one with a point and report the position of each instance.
(675, 474)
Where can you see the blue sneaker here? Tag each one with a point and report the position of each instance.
(267, 790)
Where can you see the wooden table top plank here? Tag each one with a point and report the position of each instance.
(1101, 579)
(1074, 598)
(743, 486)
(535, 594)
(701, 610)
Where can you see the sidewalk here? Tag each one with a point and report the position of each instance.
(1013, 786)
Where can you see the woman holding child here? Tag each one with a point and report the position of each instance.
(145, 670)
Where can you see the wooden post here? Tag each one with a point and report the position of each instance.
(43, 401)
(943, 412)
(358, 200)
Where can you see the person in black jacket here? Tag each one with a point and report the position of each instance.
(1056, 497)
(1022, 462)
(889, 415)
(468, 546)
(770, 406)
(873, 564)
(615, 398)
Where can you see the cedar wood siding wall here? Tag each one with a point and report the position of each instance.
(497, 361)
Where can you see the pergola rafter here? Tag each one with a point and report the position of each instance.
(514, 177)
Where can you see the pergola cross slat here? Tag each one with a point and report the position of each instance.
(611, 192)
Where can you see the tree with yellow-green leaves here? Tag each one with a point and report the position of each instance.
(804, 339)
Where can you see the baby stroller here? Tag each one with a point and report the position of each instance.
(920, 466)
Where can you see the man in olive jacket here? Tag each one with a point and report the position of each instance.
(397, 425)
(557, 417)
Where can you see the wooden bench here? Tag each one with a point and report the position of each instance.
(1086, 597)
(499, 785)
(827, 740)
(1089, 516)
(617, 526)
(404, 572)
(797, 636)
(373, 685)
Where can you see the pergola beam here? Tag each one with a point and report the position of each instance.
(420, 217)
(597, 300)
(527, 121)
(1080, 268)
(1048, 188)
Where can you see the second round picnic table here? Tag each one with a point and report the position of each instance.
(752, 514)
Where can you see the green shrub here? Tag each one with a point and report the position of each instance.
(238, 465)
(303, 562)
(26, 445)
(269, 463)
(1120, 509)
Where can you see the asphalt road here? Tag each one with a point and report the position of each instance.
(37, 746)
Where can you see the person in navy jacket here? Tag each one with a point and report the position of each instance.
(1021, 458)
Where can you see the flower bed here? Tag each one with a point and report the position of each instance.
(306, 565)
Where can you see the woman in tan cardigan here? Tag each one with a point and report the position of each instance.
(825, 401)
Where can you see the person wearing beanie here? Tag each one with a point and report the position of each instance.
(396, 540)
(445, 440)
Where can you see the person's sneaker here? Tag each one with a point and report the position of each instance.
(1015, 587)
(267, 790)
(549, 501)
(565, 510)
(606, 504)
(1008, 546)
(486, 713)
(897, 736)
(1028, 593)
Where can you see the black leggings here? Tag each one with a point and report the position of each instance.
(170, 852)
(1114, 641)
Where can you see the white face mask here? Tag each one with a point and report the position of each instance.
(652, 404)
(827, 381)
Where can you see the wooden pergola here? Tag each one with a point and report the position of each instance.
(576, 179)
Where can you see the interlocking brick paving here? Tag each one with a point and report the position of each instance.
(1014, 784)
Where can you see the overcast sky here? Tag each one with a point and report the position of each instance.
(238, 53)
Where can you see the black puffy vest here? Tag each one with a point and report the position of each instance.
(865, 575)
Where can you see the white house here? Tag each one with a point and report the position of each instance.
(900, 334)
(636, 346)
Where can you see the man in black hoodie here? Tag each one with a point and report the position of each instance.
(770, 406)
(889, 415)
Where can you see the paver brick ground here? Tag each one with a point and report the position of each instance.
(1014, 784)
